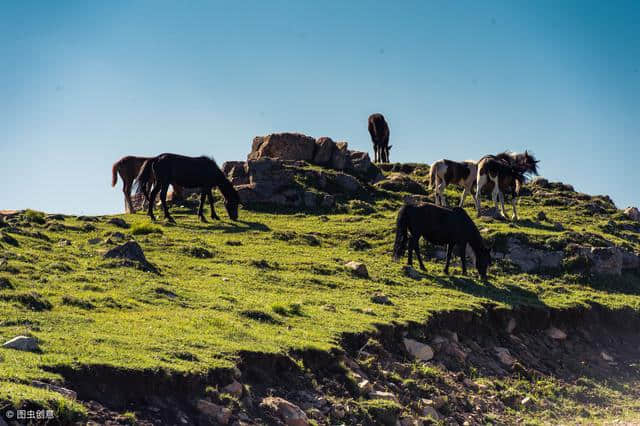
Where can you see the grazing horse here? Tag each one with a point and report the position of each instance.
(440, 225)
(504, 177)
(128, 168)
(379, 131)
(444, 172)
(188, 172)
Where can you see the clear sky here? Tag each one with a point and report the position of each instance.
(83, 83)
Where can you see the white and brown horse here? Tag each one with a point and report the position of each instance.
(445, 172)
(505, 172)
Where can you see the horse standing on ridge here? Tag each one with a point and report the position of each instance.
(188, 172)
(440, 225)
(379, 131)
(128, 168)
(504, 172)
(445, 172)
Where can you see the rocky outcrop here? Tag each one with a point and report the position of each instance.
(322, 152)
(632, 213)
(399, 182)
(131, 254)
(290, 183)
(290, 414)
(530, 259)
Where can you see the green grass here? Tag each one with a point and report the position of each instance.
(264, 287)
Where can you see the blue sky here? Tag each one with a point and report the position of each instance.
(84, 83)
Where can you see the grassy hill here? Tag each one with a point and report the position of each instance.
(274, 282)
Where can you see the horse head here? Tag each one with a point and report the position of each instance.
(483, 260)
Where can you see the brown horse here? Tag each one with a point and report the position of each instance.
(379, 131)
(188, 172)
(128, 168)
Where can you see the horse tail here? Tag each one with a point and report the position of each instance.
(114, 173)
(402, 227)
(432, 175)
(144, 177)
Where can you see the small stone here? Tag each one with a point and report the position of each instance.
(59, 389)
(234, 388)
(527, 401)
(418, 350)
(556, 333)
(430, 411)
(64, 243)
(22, 343)
(338, 411)
(511, 325)
(606, 356)
(504, 356)
(289, 413)
(358, 268)
(365, 386)
(120, 223)
(215, 412)
(381, 299)
(383, 395)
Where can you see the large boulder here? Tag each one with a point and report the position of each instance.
(605, 260)
(22, 343)
(285, 146)
(290, 414)
(324, 151)
(530, 259)
(340, 157)
(632, 213)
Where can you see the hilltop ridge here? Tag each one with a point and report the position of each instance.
(232, 314)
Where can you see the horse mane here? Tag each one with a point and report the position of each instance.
(476, 239)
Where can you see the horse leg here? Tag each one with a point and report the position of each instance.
(482, 180)
(163, 200)
(463, 257)
(501, 195)
(213, 211)
(152, 196)
(416, 245)
(126, 190)
(443, 198)
(410, 255)
(515, 212)
(464, 195)
(449, 251)
(203, 195)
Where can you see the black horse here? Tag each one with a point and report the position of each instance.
(379, 131)
(440, 225)
(187, 172)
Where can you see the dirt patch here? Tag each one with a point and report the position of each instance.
(487, 367)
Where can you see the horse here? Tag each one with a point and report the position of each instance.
(443, 172)
(504, 177)
(188, 172)
(128, 168)
(440, 225)
(525, 161)
(379, 131)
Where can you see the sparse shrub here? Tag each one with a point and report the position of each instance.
(78, 303)
(198, 252)
(146, 229)
(361, 207)
(33, 301)
(359, 245)
(284, 235)
(34, 216)
(311, 239)
(260, 316)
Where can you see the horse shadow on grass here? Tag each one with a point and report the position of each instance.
(528, 223)
(227, 227)
(508, 294)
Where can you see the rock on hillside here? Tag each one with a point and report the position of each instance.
(295, 170)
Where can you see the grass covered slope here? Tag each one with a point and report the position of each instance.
(271, 282)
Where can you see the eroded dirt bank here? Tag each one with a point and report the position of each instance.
(497, 366)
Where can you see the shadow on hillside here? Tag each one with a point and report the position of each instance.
(628, 283)
(228, 227)
(509, 294)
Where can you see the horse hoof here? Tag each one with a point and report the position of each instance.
(203, 219)
(215, 217)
